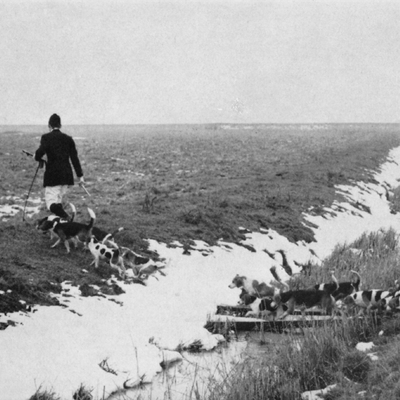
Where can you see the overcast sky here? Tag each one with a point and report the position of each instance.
(106, 62)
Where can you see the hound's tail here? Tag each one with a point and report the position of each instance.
(109, 237)
(357, 283)
(73, 212)
(92, 218)
(335, 281)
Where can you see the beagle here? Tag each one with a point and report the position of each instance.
(133, 259)
(304, 299)
(74, 230)
(112, 254)
(149, 270)
(266, 307)
(252, 286)
(46, 224)
(245, 298)
(393, 303)
(366, 299)
(142, 267)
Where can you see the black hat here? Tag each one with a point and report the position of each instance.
(55, 121)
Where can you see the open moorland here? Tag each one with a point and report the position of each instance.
(181, 183)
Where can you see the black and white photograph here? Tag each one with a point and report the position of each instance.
(199, 199)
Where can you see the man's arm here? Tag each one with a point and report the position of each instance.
(75, 160)
(41, 151)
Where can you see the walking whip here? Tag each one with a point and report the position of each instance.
(40, 165)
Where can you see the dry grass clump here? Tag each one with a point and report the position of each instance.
(44, 395)
(356, 366)
(83, 393)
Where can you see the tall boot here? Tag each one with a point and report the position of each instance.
(57, 209)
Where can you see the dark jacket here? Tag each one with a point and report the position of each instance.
(60, 149)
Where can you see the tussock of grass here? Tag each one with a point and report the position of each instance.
(44, 395)
(83, 393)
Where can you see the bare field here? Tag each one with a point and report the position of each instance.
(186, 182)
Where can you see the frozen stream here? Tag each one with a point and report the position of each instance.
(106, 343)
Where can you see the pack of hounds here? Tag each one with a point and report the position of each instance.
(272, 302)
(101, 245)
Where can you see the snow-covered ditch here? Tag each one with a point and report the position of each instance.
(110, 343)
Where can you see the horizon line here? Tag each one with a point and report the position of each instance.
(218, 123)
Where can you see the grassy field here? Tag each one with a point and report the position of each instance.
(181, 183)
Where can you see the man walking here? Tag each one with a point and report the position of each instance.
(59, 149)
